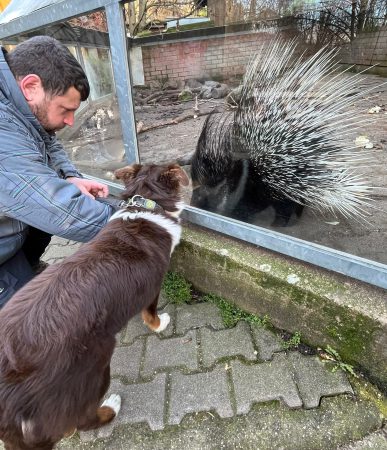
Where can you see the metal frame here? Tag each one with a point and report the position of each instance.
(346, 264)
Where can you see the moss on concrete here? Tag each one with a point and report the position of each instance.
(336, 422)
(327, 308)
(368, 392)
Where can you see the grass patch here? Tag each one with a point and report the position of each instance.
(176, 288)
(231, 314)
(333, 356)
(293, 342)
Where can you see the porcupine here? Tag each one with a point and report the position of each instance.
(283, 145)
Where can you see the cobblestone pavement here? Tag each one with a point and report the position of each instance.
(197, 366)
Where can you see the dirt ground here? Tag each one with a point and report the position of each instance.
(102, 153)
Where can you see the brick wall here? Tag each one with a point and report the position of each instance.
(219, 57)
(224, 56)
(368, 49)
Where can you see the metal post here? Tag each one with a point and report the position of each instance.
(122, 78)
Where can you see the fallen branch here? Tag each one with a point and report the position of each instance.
(141, 128)
(156, 95)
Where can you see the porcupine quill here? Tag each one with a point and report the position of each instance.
(289, 124)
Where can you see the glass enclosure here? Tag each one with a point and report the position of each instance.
(198, 75)
(193, 104)
(94, 143)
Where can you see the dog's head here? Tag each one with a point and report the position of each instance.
(162, 184)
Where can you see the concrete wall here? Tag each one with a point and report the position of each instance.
(325, 307)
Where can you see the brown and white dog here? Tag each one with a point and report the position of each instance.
(57, 333)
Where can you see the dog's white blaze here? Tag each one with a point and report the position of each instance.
(173, 228)
(27, 427)
(113, 402)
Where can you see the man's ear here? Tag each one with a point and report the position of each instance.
(31, 86)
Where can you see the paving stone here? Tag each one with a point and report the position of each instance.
(140, 403)
(264, 382)
(172, 352)
(195, 316)
(225, 343)
(126, 360)
(61, 251)
(267, 342)
(163, 301)
(315, 380)
(199, 392)
(137, 328)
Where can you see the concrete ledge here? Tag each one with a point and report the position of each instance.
(325, 307)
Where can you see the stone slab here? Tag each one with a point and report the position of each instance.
(126, 360)
(226, 343)
(266, 342)
(196, 316)
(179, 351)
(315, 379)
(143, 402)
(264, 382)
(206, 391)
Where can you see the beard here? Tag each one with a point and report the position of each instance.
(40, 112)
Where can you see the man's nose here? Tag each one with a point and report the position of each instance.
(69, 120)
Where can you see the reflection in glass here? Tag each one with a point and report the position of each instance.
(98, 70)
(183, 78)
(188, 80)
(94, 143)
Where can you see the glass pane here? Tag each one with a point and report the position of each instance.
(98, 70)
(292, 151)
(94, 143)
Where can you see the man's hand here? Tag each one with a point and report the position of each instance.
(90, 188)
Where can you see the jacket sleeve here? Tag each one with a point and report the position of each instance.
(34, 194)
(59, 159)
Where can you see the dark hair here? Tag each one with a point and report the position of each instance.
(52, 62)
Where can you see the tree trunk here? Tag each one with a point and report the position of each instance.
(142, 5)
(217, 11)
(131, 15)
(362, 15)
(353, 19)
(253, 9)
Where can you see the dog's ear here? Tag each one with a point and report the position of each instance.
(127, 173)
(178, 173)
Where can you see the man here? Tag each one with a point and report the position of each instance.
(41, 192)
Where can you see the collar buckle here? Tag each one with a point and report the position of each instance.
(141, 202)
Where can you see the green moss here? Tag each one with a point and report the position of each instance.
(176, 288)
(293, 342)
(231, 314)
(351, 333)
(367, 391)
(323, 308)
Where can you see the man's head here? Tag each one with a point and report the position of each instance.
(51, 79)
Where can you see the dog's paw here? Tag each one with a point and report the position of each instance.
(164, 321)
(113, 402)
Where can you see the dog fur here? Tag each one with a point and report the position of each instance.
(57, 333)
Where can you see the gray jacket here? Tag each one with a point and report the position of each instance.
(33, 165)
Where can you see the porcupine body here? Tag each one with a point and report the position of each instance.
(283, 146)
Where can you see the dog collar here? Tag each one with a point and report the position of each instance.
(140, 202)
